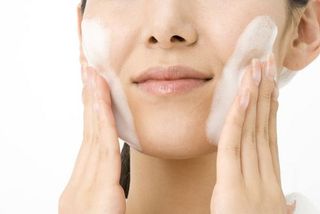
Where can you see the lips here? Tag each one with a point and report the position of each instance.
(171, 73)
(173, 80)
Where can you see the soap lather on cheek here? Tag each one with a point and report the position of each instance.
(96, 47)
(256, 41)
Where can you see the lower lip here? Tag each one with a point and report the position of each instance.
(167, 87)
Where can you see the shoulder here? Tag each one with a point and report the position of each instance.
(303, 204)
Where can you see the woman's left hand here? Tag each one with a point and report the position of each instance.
(248, 171)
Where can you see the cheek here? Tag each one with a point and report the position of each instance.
(122, 24)
(224, 28)
(124, 39)
(256, 41)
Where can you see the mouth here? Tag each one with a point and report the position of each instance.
(171, 80)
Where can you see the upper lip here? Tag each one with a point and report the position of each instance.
(171, 73)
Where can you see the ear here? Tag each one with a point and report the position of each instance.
(305, 45)
(83, 60)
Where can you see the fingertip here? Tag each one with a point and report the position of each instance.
(272, 65)
(102, 82)
(89, 84)
(244, 99)
(103, 89)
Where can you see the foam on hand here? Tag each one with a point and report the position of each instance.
(256, 41)
(96, 45)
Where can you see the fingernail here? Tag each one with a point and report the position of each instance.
(256, 75)
(244, 99)
(271, 71)
(275, 94)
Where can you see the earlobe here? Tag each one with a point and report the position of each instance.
(305, 47)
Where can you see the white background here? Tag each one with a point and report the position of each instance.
(41, 110)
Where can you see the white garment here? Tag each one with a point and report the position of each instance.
(303, 204)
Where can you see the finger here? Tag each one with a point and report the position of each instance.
(263, 112)
(110, 159)
(273, 133)
(79, 166)
(104, 139)
(84, 150)
(249, 157)
(88, 99)
(90, 130)
(106, 121)
(228, 157)
(291, 208)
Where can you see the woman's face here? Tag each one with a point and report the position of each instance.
(141, 35)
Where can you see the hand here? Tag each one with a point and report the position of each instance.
(94, 184)
(248, 171)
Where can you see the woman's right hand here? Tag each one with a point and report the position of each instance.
(94, 184)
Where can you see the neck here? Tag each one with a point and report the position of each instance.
(170, 186)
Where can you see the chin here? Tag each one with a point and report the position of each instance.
(172, 127)
(168, 142)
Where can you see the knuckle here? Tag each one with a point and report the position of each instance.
(254, 93)
(95, 139)
(91, 138)
(275, 105)
(266, 132)
(233, 150)
(103, 150)
(106, 152)
(235, 120)
(263, 131)
(265, 94)
(87, 133)
(249, 136)
(105, 118)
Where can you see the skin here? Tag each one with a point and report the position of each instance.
(179, 172)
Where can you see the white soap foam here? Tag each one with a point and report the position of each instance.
(96, 47)
(256, 41)
(285, 76)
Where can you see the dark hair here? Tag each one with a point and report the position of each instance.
(125, 169)
(125, 153)
(299, 3)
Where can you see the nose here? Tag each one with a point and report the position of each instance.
(168, 27)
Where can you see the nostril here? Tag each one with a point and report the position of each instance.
(153, 40)
(177, 38)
